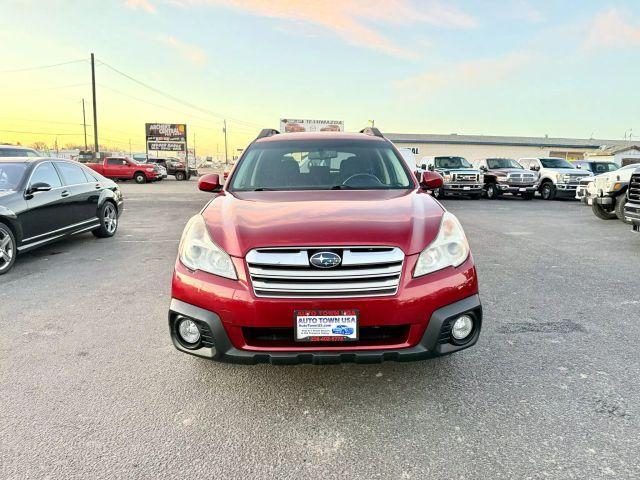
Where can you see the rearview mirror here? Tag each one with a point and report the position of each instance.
(210, 183)
(39, 187)
(483, 168)
(431, 180)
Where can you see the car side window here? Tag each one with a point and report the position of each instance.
(46, 173)
(71, 174)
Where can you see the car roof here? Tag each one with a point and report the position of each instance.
(324, 136)
(33, 159)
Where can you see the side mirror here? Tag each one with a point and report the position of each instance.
(483, 168)
(535, 168)
(579, 167)
(424, 166)
(431, 180)
(431, 168)
(210, 183)
(38, 187)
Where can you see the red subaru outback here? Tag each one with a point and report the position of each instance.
(323, 248)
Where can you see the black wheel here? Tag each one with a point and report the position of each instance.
(621, 201)
(492, 191)
(108, 221)
(548, 191)
(140, 177)
(180, 176)
(438, 193)
(8, 249)
(528, 196)
(602, 213)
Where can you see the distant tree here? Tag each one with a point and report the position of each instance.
(39, 146)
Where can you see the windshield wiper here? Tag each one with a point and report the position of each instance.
(343, 187)
(263, 189)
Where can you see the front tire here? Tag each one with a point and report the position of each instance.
(108, 221)
(140, 177)
(621, 201)
(548, 191)
(180, 176)
(492, 191)
(600, 212)
(8, 249)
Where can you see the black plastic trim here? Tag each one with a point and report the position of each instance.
(430, 346)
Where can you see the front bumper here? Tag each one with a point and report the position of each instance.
(632, 214)
(566, 190)
(235, 314)
(516, 189)
(462, 188)
(435, 341)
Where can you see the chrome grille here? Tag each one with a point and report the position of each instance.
(465, 177)
(522, 177)
(287, 272)
(634, 188)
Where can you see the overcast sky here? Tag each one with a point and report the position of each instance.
(514, 67)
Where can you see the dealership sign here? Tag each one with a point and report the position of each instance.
(290, 125)
(168, 137)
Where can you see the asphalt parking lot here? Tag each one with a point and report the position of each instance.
(93, 388)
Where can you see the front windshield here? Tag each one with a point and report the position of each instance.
(494, 163)
(555, 163)
(604, 167)
(451, 162)
(10, 175)
(320, 165)
(18, 152)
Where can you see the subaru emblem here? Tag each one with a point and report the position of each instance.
(325, 260)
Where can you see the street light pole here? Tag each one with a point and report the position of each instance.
(84, 122)
(226, 155)
(95, 112)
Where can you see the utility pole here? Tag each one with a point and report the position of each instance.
(84, 122)
(194, 148)
(226, 155)
(130, 154)
(95, 112)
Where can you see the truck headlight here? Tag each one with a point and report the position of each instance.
(449, 249)
(447, 177)
(198, 252)
(559, 177)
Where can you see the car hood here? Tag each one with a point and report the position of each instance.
(504, 171)
(458, 170)
(239, 222)
(572, 171)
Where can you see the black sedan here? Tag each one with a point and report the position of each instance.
(43, 200)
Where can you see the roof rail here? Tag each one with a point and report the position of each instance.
(372, 131)
(267, 132)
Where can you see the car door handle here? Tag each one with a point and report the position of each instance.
(65, 193)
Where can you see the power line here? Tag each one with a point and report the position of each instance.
(42, 67)
(178, 100)
(41, 133)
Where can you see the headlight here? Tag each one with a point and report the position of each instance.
(447, 177)
(481, 178)
(559, 177)
(198, 252)
(450, 248)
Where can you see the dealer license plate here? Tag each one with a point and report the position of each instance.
(326, 325)
(466, 188)
(523, 189)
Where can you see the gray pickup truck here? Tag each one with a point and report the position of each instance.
(460, 177)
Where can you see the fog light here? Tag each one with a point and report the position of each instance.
(462, 327)
(189, 331)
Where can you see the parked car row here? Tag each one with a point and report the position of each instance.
(43, 200)
(494, 177)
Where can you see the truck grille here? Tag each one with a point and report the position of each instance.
(522, 178)
(465, 177)
(634, 188)
(288, 273)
